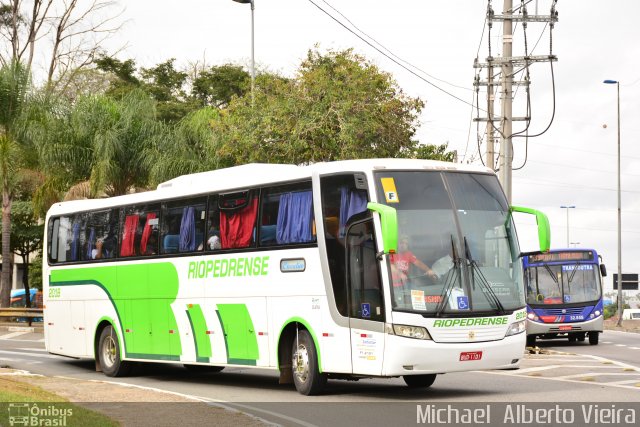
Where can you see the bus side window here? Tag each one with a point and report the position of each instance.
(139, 235)
(213, 225)
(287, 215)
(183, 225)
(238, 213)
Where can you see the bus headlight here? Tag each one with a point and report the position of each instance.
(516, 328)
(532, 316)
(416, 332)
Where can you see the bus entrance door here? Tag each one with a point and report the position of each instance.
(366, 302)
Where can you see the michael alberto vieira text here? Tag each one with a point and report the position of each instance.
(517, 414)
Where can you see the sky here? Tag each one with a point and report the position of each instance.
(574, 163)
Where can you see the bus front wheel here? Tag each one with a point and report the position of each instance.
(109, 354)
(415, 381)
(304, 365)
(594, 337)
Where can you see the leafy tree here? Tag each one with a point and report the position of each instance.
(35, 273)
(15, 154)
(189, 146)
(121, 76)
(339, 106)
(434, 152)
(216, 86)
(26, 237)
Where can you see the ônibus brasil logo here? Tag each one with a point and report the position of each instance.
(33, 414)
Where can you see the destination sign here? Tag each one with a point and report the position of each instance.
(562, 256)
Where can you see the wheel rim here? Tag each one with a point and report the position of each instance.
(109, 351)
(301, 363)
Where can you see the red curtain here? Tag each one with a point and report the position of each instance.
(129, 235)
(236, 227)
(146, 233)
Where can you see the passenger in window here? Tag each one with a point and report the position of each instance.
(96, 253)
(213, 241)
(152, 245)
(402, 261)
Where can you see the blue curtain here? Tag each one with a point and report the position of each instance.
(75, 241)
(188, 230)
(351, 202)
(295, 216)
(91, 243)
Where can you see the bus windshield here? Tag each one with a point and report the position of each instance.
(457, 248)
(562, 284)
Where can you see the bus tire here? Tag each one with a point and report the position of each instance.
(531, 340)
(304, 365)
(594, 338)
(109, 354)
(203, 369)
(415, 381)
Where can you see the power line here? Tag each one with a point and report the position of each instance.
(388, 56)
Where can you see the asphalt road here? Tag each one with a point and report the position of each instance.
(572, 372)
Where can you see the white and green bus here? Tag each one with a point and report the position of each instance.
(289, 268)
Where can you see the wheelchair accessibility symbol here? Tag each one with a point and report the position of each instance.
(463, 303)
(366, 309)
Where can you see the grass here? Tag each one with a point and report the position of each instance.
(30, 396)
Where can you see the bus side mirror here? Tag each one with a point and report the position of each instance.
(544, 230)
(603, 270)
(389, 224)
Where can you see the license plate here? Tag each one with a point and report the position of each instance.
(566, 328)
(470, 355)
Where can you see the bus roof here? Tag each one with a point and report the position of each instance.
(253, 174)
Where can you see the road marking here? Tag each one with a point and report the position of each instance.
(621, 345)
(634, 348)
(13, 334)
(607, 342)
(19, 353)
(39, 350)
(213, 402)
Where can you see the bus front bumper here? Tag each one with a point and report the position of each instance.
(538, 328)
(428, 357)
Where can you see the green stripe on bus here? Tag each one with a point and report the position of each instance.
(239, 334)
(199, 330)
(141, 295)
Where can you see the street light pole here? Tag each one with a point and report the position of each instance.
(567, 208)
(617, 83)
(253, 63)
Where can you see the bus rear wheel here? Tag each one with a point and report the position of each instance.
(415, 381)
(304, 365)
(109, 354)
(594, 337)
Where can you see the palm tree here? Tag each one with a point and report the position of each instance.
(15, 94)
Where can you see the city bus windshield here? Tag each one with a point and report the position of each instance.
(562, 284)
(457, 248)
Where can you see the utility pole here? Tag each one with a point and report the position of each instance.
(507, 63)
(506, 148)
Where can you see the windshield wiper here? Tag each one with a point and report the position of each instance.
(451, 277)
(573, 273)
(484, 283)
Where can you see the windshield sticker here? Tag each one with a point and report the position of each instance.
(453, 298)
(417, 300)
(567, 298)
(463, 303)
(389, 188)
(366, 310)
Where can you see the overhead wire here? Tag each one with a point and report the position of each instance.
(395, 61)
